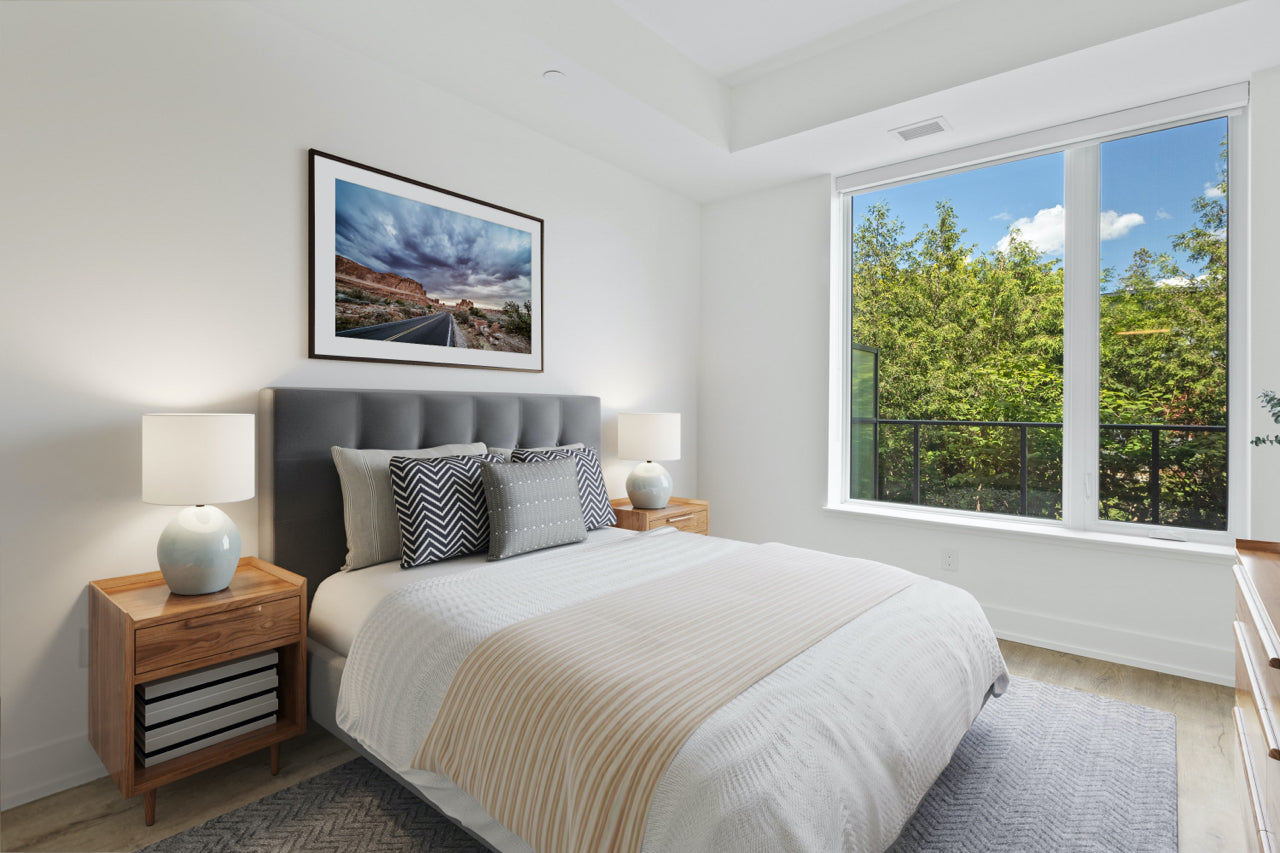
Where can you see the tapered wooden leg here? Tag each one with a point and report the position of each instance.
(275, 759)
(149, 807)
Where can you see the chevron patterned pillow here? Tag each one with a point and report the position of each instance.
(441, 506)
(596, 509)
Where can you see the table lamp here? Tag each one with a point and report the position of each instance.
(649, 436)
(193, 460)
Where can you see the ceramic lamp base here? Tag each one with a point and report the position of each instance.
(198, 551)
(649, 486)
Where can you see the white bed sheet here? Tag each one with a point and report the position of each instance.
(344, 600)
(831, 752)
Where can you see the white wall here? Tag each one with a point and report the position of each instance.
(763, 434)
(1264, 300)
(155, 246)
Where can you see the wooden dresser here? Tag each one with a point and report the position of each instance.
(1257, 712)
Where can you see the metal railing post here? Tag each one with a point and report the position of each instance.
(1153, 477)
(915, 463)
(1022, 477)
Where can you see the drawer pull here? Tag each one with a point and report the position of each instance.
(218, 618)
(1266, 631)
(1255, 687)
(681, 518)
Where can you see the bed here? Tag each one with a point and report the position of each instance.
(832, 750)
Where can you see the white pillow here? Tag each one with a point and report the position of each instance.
(368, 507)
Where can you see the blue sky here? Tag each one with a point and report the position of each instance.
(452, 255)
(1148, 183)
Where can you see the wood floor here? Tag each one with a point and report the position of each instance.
(94, 817)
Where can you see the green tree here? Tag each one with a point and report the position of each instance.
(517, 319)
(970, 336)
(1163, 360)
(962, 336)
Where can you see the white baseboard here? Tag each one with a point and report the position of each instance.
(39, 771)
(1199, 661)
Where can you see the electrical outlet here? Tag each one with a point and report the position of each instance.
(84, 648)
(950, 560)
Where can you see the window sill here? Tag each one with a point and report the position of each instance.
(1043, 531)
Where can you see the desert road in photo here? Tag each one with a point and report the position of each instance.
(435, 329)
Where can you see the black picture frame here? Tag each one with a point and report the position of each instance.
(406, 272)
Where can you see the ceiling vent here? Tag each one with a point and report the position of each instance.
(927, 127)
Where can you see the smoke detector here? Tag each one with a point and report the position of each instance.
(928, 127)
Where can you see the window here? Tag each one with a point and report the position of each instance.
(1046, 336)
(965, 314)
(1162, 390)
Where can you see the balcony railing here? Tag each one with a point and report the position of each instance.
(1119, 479)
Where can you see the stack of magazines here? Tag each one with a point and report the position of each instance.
(178, 715)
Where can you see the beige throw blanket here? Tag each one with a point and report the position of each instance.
(562, 725)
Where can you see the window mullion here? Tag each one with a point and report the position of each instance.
(1080, 337)
(1239, 384)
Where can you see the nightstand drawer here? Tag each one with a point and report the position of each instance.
(693, 522)
(189, 640)
(688, 514)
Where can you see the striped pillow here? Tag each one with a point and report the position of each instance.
(596, 509)
(441, 507)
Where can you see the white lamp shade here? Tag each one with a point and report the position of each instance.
(197, 459)
(648, 435)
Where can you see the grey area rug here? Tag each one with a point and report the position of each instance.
(1044, 768)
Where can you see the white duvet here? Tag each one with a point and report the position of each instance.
(831, 752)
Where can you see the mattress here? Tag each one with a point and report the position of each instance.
(343, 601)
(831, 752)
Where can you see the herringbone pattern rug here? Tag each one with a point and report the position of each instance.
(1044, 769)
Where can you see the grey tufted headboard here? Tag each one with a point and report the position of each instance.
(300, 523)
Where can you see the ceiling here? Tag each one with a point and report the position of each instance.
(713, 98)
(727, 36)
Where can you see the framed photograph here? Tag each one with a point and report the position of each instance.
(403, 271)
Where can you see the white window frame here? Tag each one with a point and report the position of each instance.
(1080, 141)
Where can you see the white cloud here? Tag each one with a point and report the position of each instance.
(1046, 231)
(1211, 190)
(1161, 213)
(1003, 217)
(1115, 225)
(1179, 281)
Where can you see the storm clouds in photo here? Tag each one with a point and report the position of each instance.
(453, 256)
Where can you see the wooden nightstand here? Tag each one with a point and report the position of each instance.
(686, 514)
(140, 632)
